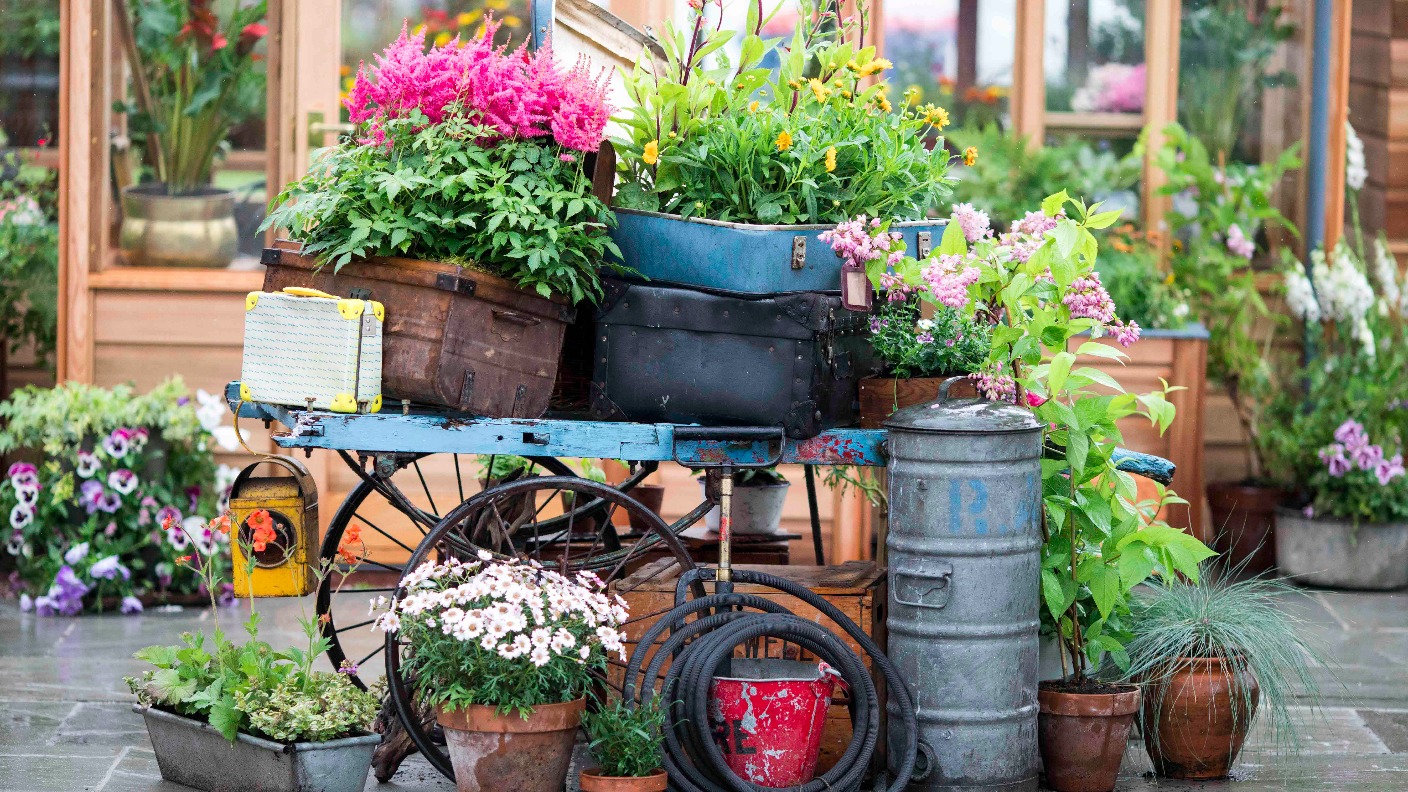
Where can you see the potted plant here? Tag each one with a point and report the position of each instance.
(29, 256)
(465, 198)
(752, 162)
(756, 508)
(1220, 210)
(288, 728)
(1209, 654)
(1345, 433)
(194, 77)
(86, 515)
(506, 652)
(1034, 284)
(920, 340)
(625, 741)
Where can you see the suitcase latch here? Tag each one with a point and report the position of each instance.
(454, 283)
(924, 244)
(799, 252)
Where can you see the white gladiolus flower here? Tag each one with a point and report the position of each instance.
(1356, 170)
(1386, 273)
(1300, 297)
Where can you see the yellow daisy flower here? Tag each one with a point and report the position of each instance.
(652, 152)
(831, 159)
(970, 155)
(819, 89)
(753, 106)
(875, 67)
(784, 140)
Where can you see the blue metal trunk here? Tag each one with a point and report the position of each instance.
(741, 257)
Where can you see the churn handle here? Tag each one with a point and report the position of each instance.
(944, 386)
(297, 469)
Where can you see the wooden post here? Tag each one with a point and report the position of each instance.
(1028, 101)
(967, 72)
(1161, 41)
(85, 33)
(642, 14)
(1339, 113)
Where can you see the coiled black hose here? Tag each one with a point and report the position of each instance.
(692, 758)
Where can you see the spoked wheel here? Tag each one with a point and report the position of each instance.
(563, 522)
(395, 508)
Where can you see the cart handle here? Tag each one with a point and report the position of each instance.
(775, 438)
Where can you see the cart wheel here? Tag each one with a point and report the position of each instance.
(534, 518)
(395, 513)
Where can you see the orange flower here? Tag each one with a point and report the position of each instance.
(325, 618)
(784, 140)
(970, 155)
(183, 559)
(259, 518)
(352, 534)
(221, 524)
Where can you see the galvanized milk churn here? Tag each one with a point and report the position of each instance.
(964, 552)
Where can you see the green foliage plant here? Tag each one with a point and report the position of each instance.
(197, 76)
(1035, 286)
(913, 346)
(517, 209)
(109, 466)
(1248, 623)
(626, 738)
(31, 29)
(813, 141)
(508, 635)
(29, 256)
(253, 687)
(1140, 283)
(1219, 209)
(1224, 65)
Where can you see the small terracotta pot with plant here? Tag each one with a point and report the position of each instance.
(505, 652)
(625, 741)
(1208, 653)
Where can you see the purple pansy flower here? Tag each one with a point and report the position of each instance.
(131, 604)
(123, 481)
(109, 568)
(76, 553)
(87, 464)
(118, 443)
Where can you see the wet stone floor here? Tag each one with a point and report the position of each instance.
(66, 722)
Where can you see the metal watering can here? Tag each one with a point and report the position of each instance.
(767, 718)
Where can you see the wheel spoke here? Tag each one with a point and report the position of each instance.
(354, 626)
(387, 567)
(373, 653)
(426, 488)
(379, 530)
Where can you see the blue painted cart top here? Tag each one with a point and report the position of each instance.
(695, 446)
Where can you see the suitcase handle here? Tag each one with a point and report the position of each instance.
(517, 318)
(304, 291)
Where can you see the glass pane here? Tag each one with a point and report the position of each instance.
(957, 53)
(1094, 58)
(29, 72)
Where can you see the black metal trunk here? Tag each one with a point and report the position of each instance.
(692, 356)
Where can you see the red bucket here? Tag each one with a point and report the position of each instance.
(767, 718)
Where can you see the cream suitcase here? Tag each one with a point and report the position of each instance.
(306, 348)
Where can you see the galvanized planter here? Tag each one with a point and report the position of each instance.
(163, 230)
(193, 753)
(965, 556)
(742, 257)
(1339, 554)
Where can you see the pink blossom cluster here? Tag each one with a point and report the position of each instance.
(1026, 235)
(1088, 299)
(975, 223)
(860, 241)
(516, 94)
(1238, 243)
(997, 387)
(1036, 223)
(949, 278)
(1352, 449)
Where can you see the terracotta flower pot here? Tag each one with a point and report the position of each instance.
(652, 497)
(491, 752)
(1082, 735)
(592, 782)
(1244, 524)
(1195, 720)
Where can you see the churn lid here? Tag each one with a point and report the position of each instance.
(946, 415)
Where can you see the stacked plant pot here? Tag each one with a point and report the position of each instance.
(733, 324)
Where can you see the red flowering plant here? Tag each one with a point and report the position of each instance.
(197, 75)
(467, 153)
(252, 687)
(1037, 288)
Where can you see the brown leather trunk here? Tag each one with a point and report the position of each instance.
(453, 337)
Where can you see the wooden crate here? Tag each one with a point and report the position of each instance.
(856, 588)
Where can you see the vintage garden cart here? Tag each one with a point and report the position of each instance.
(536, 505)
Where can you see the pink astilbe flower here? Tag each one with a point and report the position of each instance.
(514, 94)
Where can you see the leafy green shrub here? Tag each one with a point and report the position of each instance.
(29, 256)
(516, 209)
(949, 343)
(1147, 294)
(626, 738)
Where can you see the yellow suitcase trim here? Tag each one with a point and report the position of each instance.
(245, 395)
(351, 310)
(251, 300)
(378, 310)
(375, 406)
(343, 403)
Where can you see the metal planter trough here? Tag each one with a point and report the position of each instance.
(193, 753)
(743, 257)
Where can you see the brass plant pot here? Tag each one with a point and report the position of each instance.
(160, 229)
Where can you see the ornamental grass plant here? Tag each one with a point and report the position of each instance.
(465, 153)
(818, 139)
(1177, 622)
